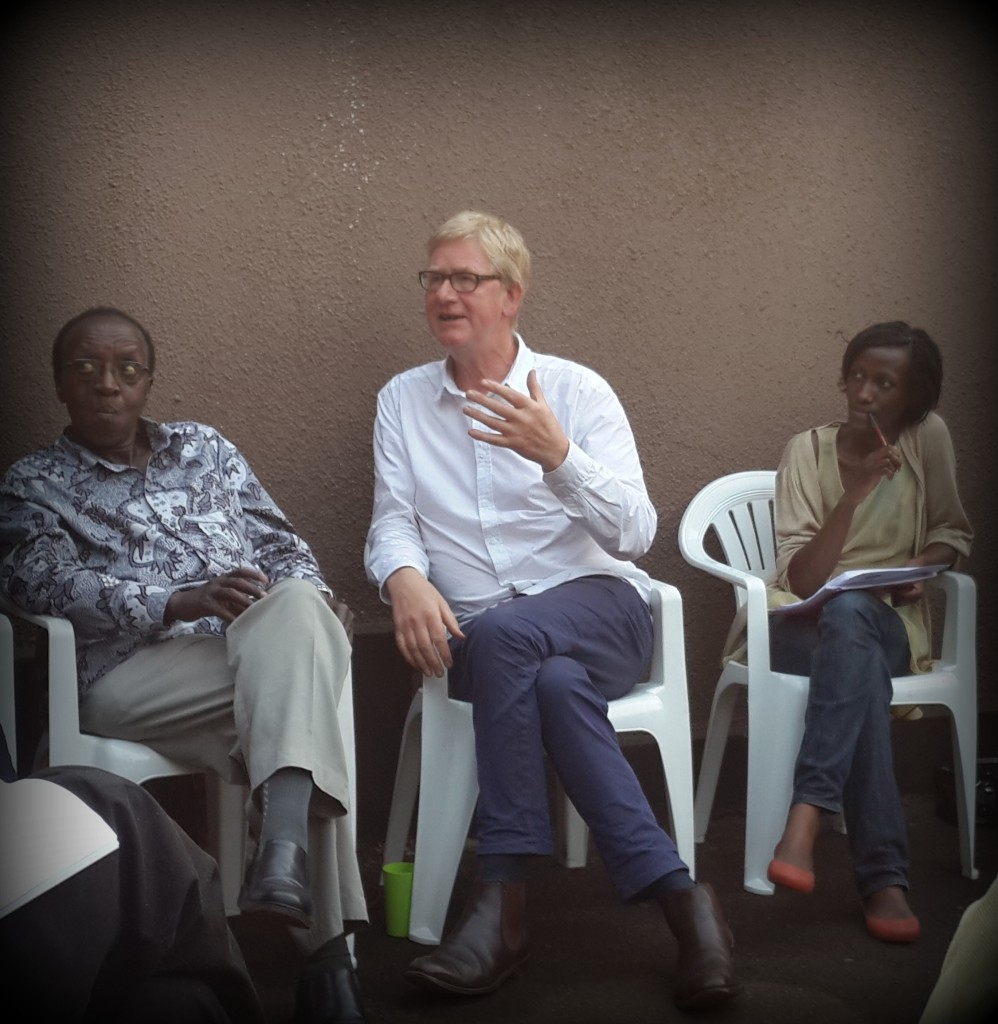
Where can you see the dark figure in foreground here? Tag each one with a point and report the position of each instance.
(140, 935)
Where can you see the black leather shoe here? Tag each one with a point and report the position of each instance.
(329, 997)
(277, 883)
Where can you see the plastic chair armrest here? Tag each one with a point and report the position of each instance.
(668, 660)
(960, 621)
(64, 706)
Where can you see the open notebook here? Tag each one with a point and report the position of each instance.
(861, 579)
(48, 835)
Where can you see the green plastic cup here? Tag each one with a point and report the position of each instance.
(397, 879)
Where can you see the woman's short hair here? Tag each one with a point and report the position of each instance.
(925, 363)
(88, 314)
(502, 244)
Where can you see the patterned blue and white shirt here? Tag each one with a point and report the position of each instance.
(105, 545)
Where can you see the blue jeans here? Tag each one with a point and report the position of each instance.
(850, 650)
(538, 671)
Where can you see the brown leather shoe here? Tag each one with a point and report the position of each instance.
(487, 945)
(704, 973)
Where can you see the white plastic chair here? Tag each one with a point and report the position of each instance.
(437, 762)
(738, 511)
(8, 720)
(136, 761)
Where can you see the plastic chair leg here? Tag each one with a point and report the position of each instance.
(573, 850)
(776, 725)
(406, 790)
(227, 836)
(677, 767)
(448, 791)
(963, 733)
(718, 728)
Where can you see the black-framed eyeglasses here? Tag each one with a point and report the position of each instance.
(461, 281)
(125, 372)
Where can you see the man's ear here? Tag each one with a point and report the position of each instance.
(512, 300)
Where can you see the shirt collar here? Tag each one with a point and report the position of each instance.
(160, 437)
(516, 377)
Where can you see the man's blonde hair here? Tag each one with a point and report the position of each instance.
(502, 244)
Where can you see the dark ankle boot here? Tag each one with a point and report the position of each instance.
(704, 972)
(487, 945)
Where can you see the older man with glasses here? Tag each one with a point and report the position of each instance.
(509, 502)
(204, 627)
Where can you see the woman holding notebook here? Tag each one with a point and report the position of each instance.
(877, 489)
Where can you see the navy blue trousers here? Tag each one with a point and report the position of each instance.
(538, 671)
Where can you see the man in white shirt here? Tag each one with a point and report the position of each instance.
(509, 501)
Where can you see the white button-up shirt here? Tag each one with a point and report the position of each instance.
(482, 523)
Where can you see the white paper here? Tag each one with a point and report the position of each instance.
(48, 835)
(861, 579)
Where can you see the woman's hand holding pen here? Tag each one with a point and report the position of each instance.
(861, 471)
(886, 459)
(861, 477)
(879, 464)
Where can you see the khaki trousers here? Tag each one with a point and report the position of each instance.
(966, 991)
(262, 697)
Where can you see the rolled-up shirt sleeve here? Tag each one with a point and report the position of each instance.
(393, 540)
(605, 493)
(946, 520)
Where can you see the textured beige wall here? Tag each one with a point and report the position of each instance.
(716, 195)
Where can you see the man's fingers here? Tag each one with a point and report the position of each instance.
(430, 657)
(435, 656)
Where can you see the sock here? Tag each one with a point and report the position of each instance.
(284, 800)
(678, 879)
(330, 956)
(503, 867)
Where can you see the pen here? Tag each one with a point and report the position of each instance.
(876, 427)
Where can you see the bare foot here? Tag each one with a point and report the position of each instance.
(888, 916)
(889, 903)
(796, 846)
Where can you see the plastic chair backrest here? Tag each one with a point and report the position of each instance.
(738, 508)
